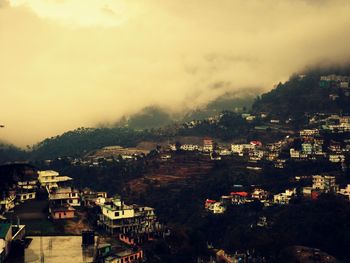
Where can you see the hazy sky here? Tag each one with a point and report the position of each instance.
(71, 63)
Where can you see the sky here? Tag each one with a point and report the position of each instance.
(72, 63)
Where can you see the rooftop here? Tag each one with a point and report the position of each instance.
(4, 228)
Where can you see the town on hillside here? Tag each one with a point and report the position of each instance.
(276, 192)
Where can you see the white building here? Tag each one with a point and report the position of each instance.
(50, 179)
(217, 208)
(240, 148)
(309, 132)
(324, 183)
(189, 147)
(336, 158)
(64, 195)
(345, 192)
(117, 217)
(294, 153)
(284, 198)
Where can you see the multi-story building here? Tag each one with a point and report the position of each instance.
(307, 148)
(294, 154)
(284, 198)
(117, 217)
(64, 196)
(309, 132)
(208, 145)
(50, 179)
(189, 147)
(324, 183)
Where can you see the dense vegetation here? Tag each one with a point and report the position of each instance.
(300, 95)
(10, 153)
(84, 140)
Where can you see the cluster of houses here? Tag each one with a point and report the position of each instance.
(334, 81)
(236, 198)
(130, 224)
(320, 184)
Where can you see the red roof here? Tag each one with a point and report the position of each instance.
(243, 194)
(210, 201)
(256, 143)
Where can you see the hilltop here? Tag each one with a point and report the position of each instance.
(305, 94)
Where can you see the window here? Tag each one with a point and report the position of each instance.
(116, 213)
(30, 196)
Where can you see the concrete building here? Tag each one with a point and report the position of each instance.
(117, 217)
(51, 179)
(324, 183)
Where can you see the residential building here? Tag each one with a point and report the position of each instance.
(189, 147)
(345, 192)
(62, 212)
(307, 148)
(125, 256)
(208, 145)
(309, 132)
(284, 198)
(324, 183)
(239, 197)
(51, 179)
(26, 195)
(336, 158)
(117, 217)
(259, 194)
(294, 154)
(8, 201)
(64, 195)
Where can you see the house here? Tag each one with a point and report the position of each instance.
(28, 182)
(345, 192)
(172, 147)
(50, 179)
(208, 145)
(64, 195)
(280, 163)
(241, 148)
(62, 212)
(8, 201)
(92, 199)
(189, 147)
(208, 203)
(324, 183)
(117, 217)
(307, 191)
(217, 208)
(5, 240)
(256, 143)
(294, 154)
(25, 195)
(335, 147)
(239, 197)
(125, 256)
(336, 158)
(284, 198)
(306, 148)
(259, 194)
(309, 132)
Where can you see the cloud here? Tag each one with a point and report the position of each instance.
(73, 63)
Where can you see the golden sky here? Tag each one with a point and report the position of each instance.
(71, 63)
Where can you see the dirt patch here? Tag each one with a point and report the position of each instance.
(77, 225)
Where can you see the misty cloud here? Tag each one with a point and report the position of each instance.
(67, 64)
